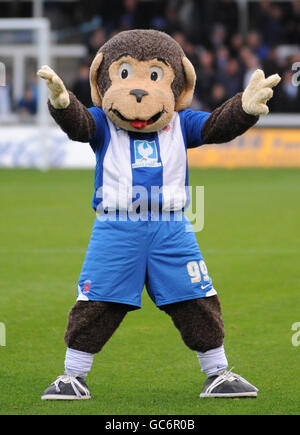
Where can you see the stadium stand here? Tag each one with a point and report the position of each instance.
(224, 40)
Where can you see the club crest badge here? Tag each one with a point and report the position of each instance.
(145, 154)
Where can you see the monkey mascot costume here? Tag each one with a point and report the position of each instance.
(139, 129)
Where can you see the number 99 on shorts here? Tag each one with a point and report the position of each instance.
(195, 269)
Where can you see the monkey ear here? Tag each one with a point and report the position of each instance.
(95, 93)
(186, 96)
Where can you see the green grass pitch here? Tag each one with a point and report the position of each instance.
(251, 246)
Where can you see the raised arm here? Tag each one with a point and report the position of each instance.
(71, 115)
(240, 112)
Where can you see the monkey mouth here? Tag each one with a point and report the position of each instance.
(139, 124)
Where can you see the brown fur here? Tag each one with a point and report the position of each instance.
(91, 324)
(75, 120)
(227, 122)
(143, 45)
(142, 50)
(199, 322)
(224, 124)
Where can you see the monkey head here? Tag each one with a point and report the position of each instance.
(139, 78)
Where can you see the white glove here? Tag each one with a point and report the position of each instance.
(58, 94)
(258, 92)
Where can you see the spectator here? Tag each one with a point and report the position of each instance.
(269, 20)
(28, 104)
(231, 78)
(81, 88)
(252, 64)
(255, 44)
(271, 64)
(132, 17)
(180, 37)
(288, 95)
(188, 17)
(293, 22)
(172, 22)
(97, 39)
(207, 31)
(227, 14)
(222, 57)
(206, 75)
(236, 44)
(218, 96)
(218, 36)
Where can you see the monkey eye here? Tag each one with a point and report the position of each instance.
(156, 73)
(125, 70)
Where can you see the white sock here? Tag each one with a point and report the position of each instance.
(78, 363)
(212, 361)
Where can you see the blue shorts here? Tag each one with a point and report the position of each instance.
(123, 257)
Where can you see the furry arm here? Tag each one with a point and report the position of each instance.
(72, 116)
(75, 120)
(227, 122)
(241, 112)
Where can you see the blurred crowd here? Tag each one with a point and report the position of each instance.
(209, 33)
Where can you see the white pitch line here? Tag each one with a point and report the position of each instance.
(45, 251)
(247, 251)
(217, 251)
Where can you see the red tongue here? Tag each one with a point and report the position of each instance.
(140, 125)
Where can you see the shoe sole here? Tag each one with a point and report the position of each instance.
(229, 395)
(62, 397)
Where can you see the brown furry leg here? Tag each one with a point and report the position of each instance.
(92, 323)
(199, 322)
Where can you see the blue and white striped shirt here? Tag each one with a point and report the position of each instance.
(149, 166)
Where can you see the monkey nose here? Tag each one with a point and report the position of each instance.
(139, 94)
